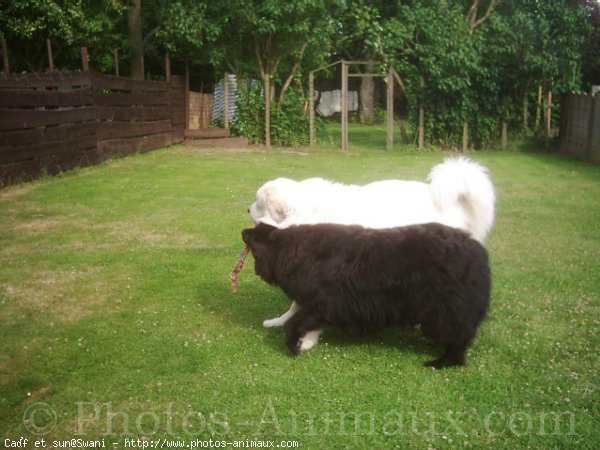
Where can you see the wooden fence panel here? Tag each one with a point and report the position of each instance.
(52, 80)
(127, 113)
(47, 99)
(18, 119)
(178, 107)
(201, 106)
(133, 115)
(55, 121)
(47, 123)
(594, 146)
(103, 82)
(580, 127)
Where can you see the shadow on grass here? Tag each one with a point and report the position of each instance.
(253, 304)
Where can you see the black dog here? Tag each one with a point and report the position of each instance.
(363, 280)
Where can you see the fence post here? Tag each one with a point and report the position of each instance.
(85, 63)
(311, 109)
(344, 106)
(465, 137)
(538, 107)
(504, 135)
(116, 56)
(549, 115)
(5, 57)
(590, 130)
(187, 94)
(421, 131)
(168, 66)
(226, 101)
(50, 58)
(390, 111)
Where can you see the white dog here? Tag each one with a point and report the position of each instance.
(459, 194)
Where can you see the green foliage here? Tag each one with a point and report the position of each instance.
(183, 27)
(249, 119)
(289, 121)
(461, 67)
(290, 125)
(482, 74)
(26, 24)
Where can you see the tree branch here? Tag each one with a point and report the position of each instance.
(476, 22)
(472, 14)
(151, 33)
(289, 79)
(259, 60)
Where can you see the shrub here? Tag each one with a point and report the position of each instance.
(289, 120)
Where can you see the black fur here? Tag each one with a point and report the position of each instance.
(363, 280)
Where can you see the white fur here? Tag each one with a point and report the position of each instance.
(281, 320)
(310, 339)
(459, 193)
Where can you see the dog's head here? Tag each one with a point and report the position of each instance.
(263, 250)
(273, 201)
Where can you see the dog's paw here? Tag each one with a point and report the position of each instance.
(276, 322)
(309, 340)
(442, 362)
(294, 346)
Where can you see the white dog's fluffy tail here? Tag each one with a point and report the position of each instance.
(463, 192)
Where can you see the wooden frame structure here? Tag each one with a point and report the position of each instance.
(391, 74)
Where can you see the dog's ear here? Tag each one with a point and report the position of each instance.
(263, 231)
(260, 233)
(277, 207)
(247, 235)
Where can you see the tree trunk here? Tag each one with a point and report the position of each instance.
(136, 42)
(367, 94)
(538, 108)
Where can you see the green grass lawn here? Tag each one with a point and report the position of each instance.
(117, 320)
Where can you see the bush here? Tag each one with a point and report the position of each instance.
(289, 121)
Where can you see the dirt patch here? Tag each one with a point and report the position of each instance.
(63, 295)
(14, 192)
(37, 225)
